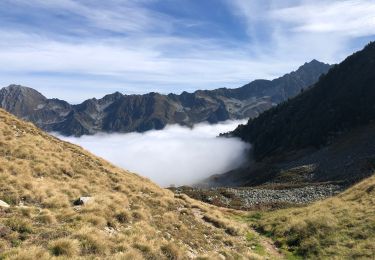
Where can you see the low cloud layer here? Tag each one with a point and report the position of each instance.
(176, 155)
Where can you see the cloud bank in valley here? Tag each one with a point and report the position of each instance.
(176, 155)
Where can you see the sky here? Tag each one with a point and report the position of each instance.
(176, 155)
(78, 49)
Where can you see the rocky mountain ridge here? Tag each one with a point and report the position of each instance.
(126, 113)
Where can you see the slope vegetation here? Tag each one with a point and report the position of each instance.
(342, 227)
(121, 215)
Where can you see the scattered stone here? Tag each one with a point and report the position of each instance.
(249, 197)
(4, 231)
(3, 204)
(22, 205)
(191, 254)
(83, 200)
(110, 230)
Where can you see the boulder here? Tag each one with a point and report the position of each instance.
(3, 204)
(83, 200)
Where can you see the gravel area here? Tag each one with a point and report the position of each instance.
(295, 195)
(248, 198)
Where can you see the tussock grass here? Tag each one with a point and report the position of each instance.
(64, 247)
(129, 217)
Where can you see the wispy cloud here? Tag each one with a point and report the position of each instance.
(136, 64)
(111, 15)
(295, 29)
(351, 18)
(75, 49)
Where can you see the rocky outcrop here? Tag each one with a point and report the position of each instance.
(126, 113)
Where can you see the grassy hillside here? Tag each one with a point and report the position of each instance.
(342, 227)
(128, 217)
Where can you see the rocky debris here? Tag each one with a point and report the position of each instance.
(83, 200)
(295, 195)
(254, 197)
(3, 204)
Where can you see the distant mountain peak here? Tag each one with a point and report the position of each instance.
(315, 61)
(16, 86)
(312, 65)
(21, 90)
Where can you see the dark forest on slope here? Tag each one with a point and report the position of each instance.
(340, 101)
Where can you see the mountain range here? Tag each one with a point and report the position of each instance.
(126, 113)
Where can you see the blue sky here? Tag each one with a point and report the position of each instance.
(77, 49)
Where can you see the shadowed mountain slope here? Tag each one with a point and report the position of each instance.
(340, 101)
(324, 134)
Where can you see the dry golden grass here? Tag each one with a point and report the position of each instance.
(129, 217)
(341, 227)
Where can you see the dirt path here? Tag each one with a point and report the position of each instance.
(271, 251)
(270, 248)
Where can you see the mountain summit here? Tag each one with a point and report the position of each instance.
(126, 113)
(20, 99)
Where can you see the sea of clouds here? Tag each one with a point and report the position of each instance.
(176, 155)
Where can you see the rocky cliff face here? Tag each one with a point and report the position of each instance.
(126, 113)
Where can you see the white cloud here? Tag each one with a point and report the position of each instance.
(136, 64)
(350, 18)
(306, 29)
(176, 155)
(111, 15)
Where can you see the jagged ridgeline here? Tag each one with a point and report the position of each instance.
(340, 101)
(57, 199)
(126, 113)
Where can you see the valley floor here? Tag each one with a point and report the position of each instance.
(271, 196)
